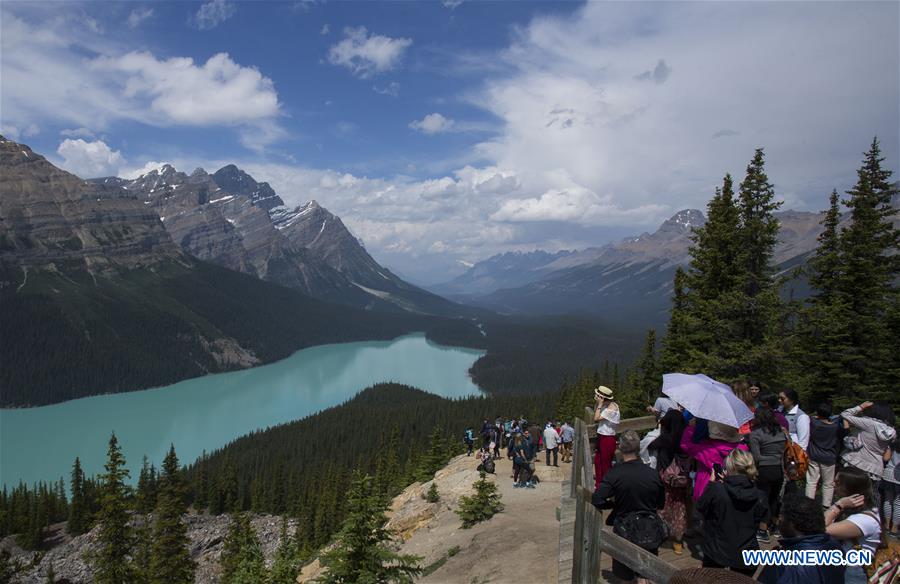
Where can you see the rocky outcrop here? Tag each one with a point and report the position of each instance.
(49, 216)
(234, 180)
(206, 533)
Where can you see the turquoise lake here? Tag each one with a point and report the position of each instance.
(206, 413)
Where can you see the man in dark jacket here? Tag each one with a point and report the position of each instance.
(803, 528)
(629, 487)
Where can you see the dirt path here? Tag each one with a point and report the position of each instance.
(519, 545)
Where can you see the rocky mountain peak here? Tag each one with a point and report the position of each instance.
(684, 221)
(234, 180)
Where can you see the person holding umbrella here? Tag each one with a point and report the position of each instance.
(606, 414)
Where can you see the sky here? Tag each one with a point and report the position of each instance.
(445, 131)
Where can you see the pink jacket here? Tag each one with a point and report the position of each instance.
(706, 453)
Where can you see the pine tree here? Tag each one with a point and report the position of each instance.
(435, 458)
(870, 269)
(146, 488)
(647, 376)
(678, 348)
(143, 550)
(755, 350)
(824, 344)
(112, 563)
(360, 553)
(171, 561)
(286, 565)
(481, 506)
(432, 496)
(242, 560)
(78, 511)
(201, 491)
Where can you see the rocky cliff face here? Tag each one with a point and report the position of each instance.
(48, 216)
(230, 219)
(206, 533)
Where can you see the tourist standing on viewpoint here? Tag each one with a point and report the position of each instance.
(606, 414)
(824, 442)
(798, 420)
(871, 427)
(567, 436)
(767, 441)
(732, 508)
(551, 443)
(853, 518)
(634, 492)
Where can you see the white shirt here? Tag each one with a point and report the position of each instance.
(551, 438)
(664, 404)
(648, 457)
(870, 528)
(802, 435)
(609, 421)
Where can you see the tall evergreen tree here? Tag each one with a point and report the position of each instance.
(824, 343)
(78, 511)
(112, 563)
(146, 488)
(647, 374)
(361, 553)
(679, 350)
(171, 560)
(871, 266)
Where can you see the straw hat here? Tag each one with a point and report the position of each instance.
(603, 392)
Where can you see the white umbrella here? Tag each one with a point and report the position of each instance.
(706, 398)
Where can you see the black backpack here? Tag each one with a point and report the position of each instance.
(642, 528)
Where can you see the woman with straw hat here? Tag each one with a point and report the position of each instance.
(606, 414)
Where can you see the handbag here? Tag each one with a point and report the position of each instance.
(642, 528)
(677, 475)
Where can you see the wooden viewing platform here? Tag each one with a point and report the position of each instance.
(586, 545)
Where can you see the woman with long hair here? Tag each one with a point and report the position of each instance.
(853, 518)
(742, 390)
(674, 471)
(606, 415)
(889, 490)
(767, 440)
(732, 508)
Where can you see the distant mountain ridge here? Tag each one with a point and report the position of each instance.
(230, 219)
(629, 280)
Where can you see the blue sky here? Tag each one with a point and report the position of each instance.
(445, 132)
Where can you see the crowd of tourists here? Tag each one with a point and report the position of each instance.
(522, 442)
(811, 481)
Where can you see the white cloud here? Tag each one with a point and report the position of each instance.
(433, 124)
(451, 4)
(77, 133)
(55, 71)
(325, 29)
(213, 13)
(218, 92)
(89, 159)
(15, 132)
(366, 55)
(139, 15)
(392, 89)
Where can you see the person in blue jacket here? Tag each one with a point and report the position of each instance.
(803, 528)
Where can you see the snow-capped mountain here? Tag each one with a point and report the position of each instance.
(230, 219)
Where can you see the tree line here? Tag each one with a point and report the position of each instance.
(729, 318)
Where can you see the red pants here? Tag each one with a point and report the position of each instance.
(603, 457)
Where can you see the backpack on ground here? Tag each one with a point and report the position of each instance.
(794, 461)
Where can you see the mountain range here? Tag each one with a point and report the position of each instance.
(229, 219)
(105, 285)
(630, 280)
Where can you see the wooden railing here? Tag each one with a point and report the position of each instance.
(590, 539)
